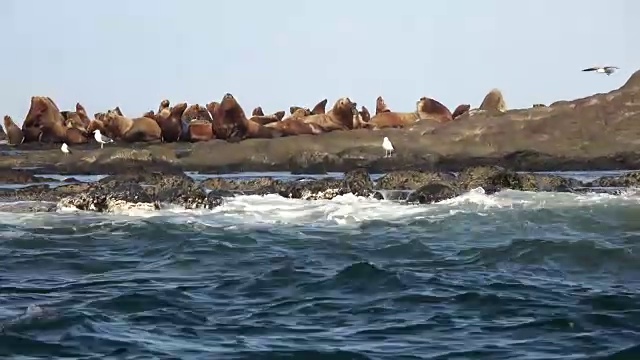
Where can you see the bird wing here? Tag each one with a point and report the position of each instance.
(106, 139)
(591, 69)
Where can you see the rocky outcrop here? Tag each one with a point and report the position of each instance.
(148, 191)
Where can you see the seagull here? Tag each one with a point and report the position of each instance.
(387, 146)
(65, 149)
(603, 69)
(101, 138)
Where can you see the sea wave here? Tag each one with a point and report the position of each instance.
(508, 275)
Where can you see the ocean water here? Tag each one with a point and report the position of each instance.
(513, 275)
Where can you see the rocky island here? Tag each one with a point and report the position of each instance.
(599, 132)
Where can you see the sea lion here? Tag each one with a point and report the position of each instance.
(230, 111)
(223, 128)
(268, 119)
(82, 113)
(45, 115)
(3, 135)
(393, 119)
(164, 104)
(320, 108)
(200, 130)
(257, 112)
(293, 109)
(494, 102)
(195, 112)
(365, 114)
(149, 114)
(291, 127)
(433, 109)
(73, 120)
(131, 130)
(99, 125)
(539, 105)
(75, 135)
(381, 106)
(460, 110)
(171, 124)
(340, 117)
(14, 133)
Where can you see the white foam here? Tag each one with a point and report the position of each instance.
(254, 211)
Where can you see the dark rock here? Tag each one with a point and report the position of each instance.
(434, 192)
(494, 178)
(313, 190)
(411, 179)
(111, 196)
(631, 179)
(148, 189)
(358, 182)
(10, 176)
(258, 186)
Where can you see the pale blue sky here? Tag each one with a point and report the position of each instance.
(280, 53)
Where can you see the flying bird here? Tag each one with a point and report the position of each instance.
(387, 146)
(65, 149)
(603, 69)
(101, 138)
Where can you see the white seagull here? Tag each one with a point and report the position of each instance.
(65, 149)
(603, 69)
(387, 146)
(101, 138)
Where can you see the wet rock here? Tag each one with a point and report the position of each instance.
(494, 178)
(358, 182)
(258, 186)
(631, 179)
(10, 176)
(111, 197)
(434, 192)
(411, 179)
(143, 190)
(321, 189)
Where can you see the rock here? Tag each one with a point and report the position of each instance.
(494, 178)
(10, 176)
(434, 192)
(259, 186)
(410, 179)
(322, 189)
(358, 182)
(111, 197)
(143, 190)
(631, 179)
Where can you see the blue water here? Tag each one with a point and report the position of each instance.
(513, 275)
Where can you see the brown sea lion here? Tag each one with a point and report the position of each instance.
(195, 112)
(257, 111)
(365, 114)
(340, 117)
(460, 110)
(149, 114)
(320, 108)
(73, 120)
(231, 112)
(164, 104)
(82, 113)
(223, 128)
(131, 130)
(13, 131)
(45, 115)
(292, 127)
(494, 102)
(381, 106)
(293, 109)
(75, 135)
(433, 109)
(539, 105)
(171, 124)
(200, 130)
(393, 119)
(99, 125)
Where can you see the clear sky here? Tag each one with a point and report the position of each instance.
(134, 53)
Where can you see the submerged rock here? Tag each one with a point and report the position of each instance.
(434, 192)
(258, 186)
(411, 179)
(112, 197)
